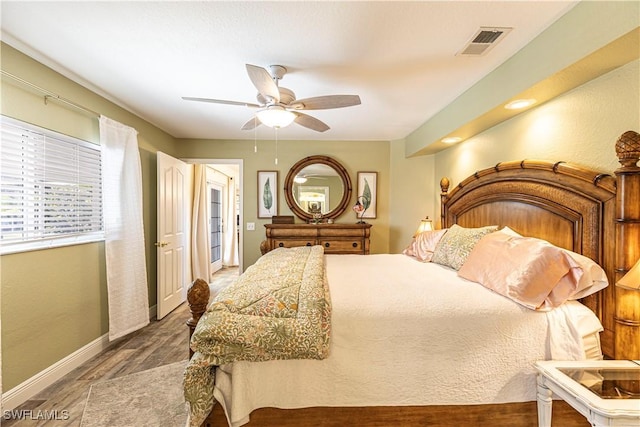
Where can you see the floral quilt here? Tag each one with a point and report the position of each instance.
(278, 309)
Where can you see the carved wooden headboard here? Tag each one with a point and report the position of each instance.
(572, 207)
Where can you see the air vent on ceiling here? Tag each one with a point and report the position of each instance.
(483, 40)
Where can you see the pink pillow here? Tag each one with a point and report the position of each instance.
(593, 278)
(423, 245)
(531, 272)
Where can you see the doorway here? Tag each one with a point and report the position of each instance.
(217, 204)
(224, 204)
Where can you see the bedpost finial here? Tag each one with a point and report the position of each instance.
(198, 298)
(628, 149)
(444, 185)
(198, 292)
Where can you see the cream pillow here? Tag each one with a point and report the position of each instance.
(423, 245)
(454, 247)
(510, 232)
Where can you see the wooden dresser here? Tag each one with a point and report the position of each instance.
(335, 238)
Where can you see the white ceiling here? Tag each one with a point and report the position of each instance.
(398, 56)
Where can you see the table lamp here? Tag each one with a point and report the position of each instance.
(425, 225)
(631, 280)
(627, 338)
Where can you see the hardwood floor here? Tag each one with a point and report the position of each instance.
(159, 343)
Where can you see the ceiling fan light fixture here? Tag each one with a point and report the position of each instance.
(275, 116)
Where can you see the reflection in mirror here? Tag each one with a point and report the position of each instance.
(317, 186)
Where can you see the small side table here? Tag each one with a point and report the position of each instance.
(606, 392)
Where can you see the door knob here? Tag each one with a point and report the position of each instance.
(161, 244)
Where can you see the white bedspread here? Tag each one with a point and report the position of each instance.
(410, 333)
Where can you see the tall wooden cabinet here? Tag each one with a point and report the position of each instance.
(335, 238)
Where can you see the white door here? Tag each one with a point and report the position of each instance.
(216, 225)
(172, 233)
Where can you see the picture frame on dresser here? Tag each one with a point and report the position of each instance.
(368, 193)
(267, 194)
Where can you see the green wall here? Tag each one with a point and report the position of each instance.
(414, 185)
(54, 301)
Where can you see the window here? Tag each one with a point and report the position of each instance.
(50, 189)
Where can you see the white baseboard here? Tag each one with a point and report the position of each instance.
(43, 379)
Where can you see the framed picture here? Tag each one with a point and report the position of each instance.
(267, 194)
(367, 193)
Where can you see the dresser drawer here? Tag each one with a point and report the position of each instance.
(334, 238)
(291, 243)
(341, 246)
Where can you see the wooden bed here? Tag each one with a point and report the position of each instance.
(586, 211)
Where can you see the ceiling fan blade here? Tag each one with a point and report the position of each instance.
(310, 122)
(263, 81)
(253, 123)
(220, 101)
(326, 102)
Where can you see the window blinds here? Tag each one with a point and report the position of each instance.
(51, 188)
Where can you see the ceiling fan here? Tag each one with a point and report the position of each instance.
(278, 106)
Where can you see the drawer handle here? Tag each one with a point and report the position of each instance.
(354, 244)
(326, 245)
(281, 244)
(308, 243)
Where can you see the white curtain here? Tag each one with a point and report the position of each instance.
(230, 255)
(124, 233)
(1, 404)
(200, 247)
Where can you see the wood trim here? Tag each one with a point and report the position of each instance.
(521, 414)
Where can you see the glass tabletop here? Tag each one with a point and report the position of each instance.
(608, 383)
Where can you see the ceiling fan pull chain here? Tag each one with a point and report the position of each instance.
(276, 145)
(255, 133)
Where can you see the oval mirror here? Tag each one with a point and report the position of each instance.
(317, 185)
